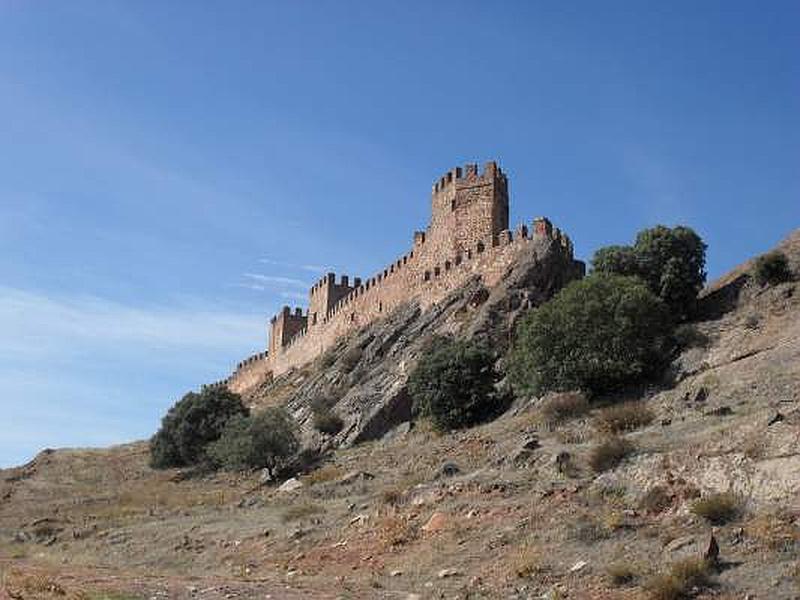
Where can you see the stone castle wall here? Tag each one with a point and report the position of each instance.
(468, 235)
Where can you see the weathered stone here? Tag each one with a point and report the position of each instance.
(437, 522)
(290, 485)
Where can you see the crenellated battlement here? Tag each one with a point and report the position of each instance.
(468, 236)
(469, 176)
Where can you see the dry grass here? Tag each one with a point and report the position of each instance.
(622, 573)
(323, 474)
(622, 418)
(525, 562)
(38, 585)
(563, 407)
(718, 509)
(392, 497)
(394, 530)
(656, 500)
(300, 511)
(681, 578)
(609, 453)
(776, 531)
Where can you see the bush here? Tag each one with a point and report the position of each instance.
(622, 418)
(670, 261)
(621, 573)
(609, 453)
(327, 422)
(560, 408)
(191, 425)
(597, 335)
(454, 385)
(681, 578)
(718, 509)
(772, 268)
(265, 440)
(656, 500)
(689, 336)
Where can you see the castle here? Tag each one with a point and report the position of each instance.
(468, 235)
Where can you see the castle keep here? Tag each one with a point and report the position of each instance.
(468, 235)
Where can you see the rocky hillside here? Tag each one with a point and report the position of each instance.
(363, 378)
(528, 506)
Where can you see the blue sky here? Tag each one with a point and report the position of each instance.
(171, 173)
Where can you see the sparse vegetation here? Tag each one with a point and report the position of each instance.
(192, 424)
(597, 335)
(621, 574)
(563, 407)
(301, 511)
(671, 261)
(718, 509)
(265, 440)
(609, 453)
(772, 268)
(621, 418)
(687, 335)
(454, 385)
(351, 358)
(326, 421)
(681, 578)
(526, 562)
(656, 500)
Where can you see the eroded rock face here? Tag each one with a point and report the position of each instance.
(363, 378)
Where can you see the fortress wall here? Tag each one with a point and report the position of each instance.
(404, 281)
(249, 373)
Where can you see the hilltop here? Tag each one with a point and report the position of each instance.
(508, 509)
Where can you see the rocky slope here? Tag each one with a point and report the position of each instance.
(363, 378)
(510, 509)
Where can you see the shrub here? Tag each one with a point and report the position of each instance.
(327, 422)
(621, 574)
(191, 425)
(454, 385)
(681, 578)
(265, 440)
(656, 500)
(621, 418)
(772, 268)
(670, 260)
(301, 511)
(560, 408)
(597, 335)
(351, 358)
(718, 509)
(609, 453)
(689, 336)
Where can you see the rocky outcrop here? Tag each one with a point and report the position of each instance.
(363, 377)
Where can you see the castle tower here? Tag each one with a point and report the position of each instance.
(325, 294)
(467, 208)
(283, 327)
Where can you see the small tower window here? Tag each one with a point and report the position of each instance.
(481, 247)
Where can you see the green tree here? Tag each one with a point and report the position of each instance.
(454, 385)
(264, 440)
(670, 260)
(772, 268)
(598, 334)
(191, 424)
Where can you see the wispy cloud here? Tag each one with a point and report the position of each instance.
(85, 369)
(34, 323)
(294, 296)
(288, 265)
(276, 280)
